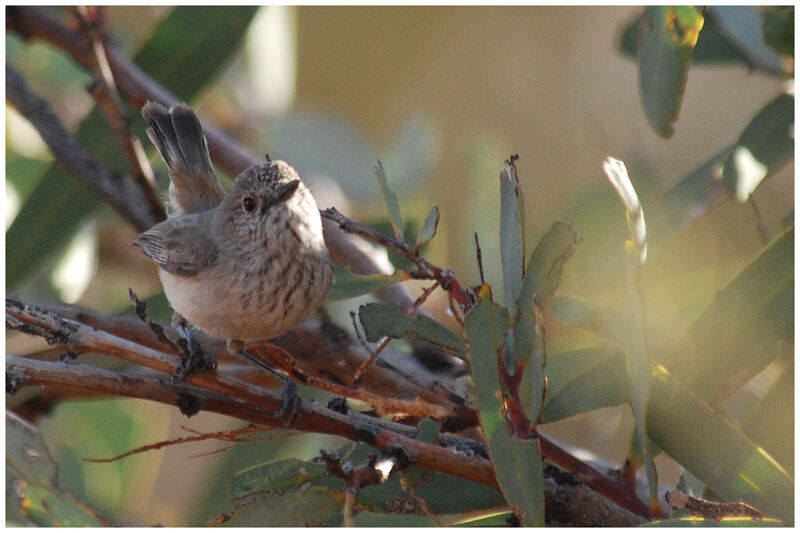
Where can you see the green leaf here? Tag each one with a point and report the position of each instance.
(583, 380)
(313, 507)
(390, 200)
(518, 462)
(608, 323)
(282, 475)
(31, 480)
(691, 521)
(512, 235)
(736, 336)
(638, 363)
(713, 46)
(427, 430)
(429, 228)
(667, 42)
(775, 410)
(744, 26)
(443, 493)
(766, 145)
(382, 319)
(715, 450)
(540, 284)
(689, 199)
(187, 49)
(348, 285)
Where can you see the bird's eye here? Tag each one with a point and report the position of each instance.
(249, 204)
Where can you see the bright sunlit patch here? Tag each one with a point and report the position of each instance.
(271, 58)
(11, 205)
(22, 137)
(750, 172)
(77, 266)
(385, 466)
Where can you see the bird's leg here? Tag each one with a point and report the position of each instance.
(193, 358)
(291, 402)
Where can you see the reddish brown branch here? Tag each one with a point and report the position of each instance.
(312, 417)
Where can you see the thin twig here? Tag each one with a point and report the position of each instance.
(108, 99)
(479, 257)
(426, 270)
(232, 435)
(763, 228)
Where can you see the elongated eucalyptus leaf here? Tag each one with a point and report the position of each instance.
(32, 481)
(736, 336)
(583, 380)
(715, 450)
(771, 422)
(744, 26)
(186, 50)
(517, 461)
(429, 228)
(766, 145)
(512, 234)
(694, 521)
(390, 200)
(348, 285)
(313, 507)
(689, 199)
(542, 278)
(381, 319)
(606, 322)
(668, 36)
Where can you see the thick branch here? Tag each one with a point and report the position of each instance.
(568, 500)
(312, 417)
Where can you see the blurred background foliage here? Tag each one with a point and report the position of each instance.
(441, 96)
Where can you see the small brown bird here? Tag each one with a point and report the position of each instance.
(243, 266)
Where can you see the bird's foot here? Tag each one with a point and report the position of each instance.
(291, 401)
(193, 359)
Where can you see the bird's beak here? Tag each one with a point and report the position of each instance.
(288, 190)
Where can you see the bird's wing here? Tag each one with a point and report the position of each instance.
(178, 136)
(181, 245)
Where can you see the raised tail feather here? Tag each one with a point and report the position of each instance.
(178, 136)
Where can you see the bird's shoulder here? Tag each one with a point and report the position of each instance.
(182, 245)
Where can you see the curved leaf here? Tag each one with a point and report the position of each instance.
(766, 145)
(347, 285)
(715, 450)
(429, 228)
(713, 46)
(541, 281)
(390, 200)
(381, 319)
(583, 380)
(32, 484)
(518, 462)
(736, 336)
(667, 39)
(744, 26)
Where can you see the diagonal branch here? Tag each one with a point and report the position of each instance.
(113, 187)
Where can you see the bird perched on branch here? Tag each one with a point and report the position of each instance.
(245, 265)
